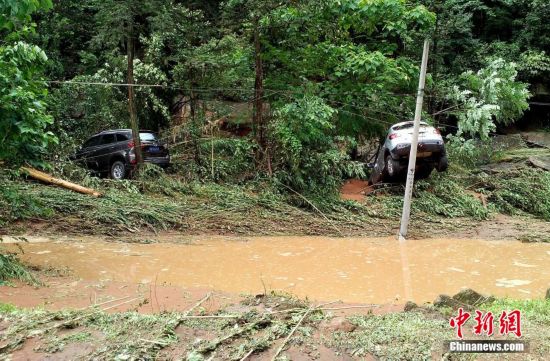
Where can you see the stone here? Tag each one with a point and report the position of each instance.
(509, 141)
(409, 306)
(540, 162)
(540, 139)
(471, 297)
(444, 301)
(339, 324)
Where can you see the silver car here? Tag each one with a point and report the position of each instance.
(393, 155)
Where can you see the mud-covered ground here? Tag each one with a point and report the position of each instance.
(261, 327)
(91, 306)
(168, 270)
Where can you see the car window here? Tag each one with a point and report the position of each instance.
(147, 137)
(122, 137)
(92, 141)
(408, 125)
(108, 139)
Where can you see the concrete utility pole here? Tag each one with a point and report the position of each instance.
(414, 144)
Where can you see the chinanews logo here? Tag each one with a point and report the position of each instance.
(509, 324)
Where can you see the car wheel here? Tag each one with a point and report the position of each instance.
(393, 168)
(423, 172)
(118, 170)
(443, 164)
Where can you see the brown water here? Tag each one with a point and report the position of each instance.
(351, 269)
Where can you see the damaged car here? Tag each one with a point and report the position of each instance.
(392, 158)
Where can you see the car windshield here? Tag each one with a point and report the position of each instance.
(147, 137)
(407, 125)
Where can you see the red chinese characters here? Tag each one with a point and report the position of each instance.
(459, 321)
(484, 323)
(510, 322)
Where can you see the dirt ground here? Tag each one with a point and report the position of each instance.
(498, 227)
(63, 339)
(107, 314)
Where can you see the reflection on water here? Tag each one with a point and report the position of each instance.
(351, 269)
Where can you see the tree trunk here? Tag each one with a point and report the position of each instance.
(258, 120)
(44, 177)
(131, 95)
(195, 127)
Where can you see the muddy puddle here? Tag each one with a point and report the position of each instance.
(351, 269)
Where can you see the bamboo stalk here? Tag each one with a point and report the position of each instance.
(44, 177)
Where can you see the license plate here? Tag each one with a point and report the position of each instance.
(154, 149)
(424, 154)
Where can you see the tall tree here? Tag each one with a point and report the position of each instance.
(120, 24)
(23, 116)
(255, 17)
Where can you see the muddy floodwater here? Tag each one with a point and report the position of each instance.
(351, 269)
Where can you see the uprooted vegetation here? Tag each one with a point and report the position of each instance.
(167, 203)
(502, 181)
(11, 268)
(158, 201)
(265, 325)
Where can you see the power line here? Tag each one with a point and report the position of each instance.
(274, 91)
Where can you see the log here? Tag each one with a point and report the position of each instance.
(44, 177)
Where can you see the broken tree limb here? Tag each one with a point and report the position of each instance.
(44, 177)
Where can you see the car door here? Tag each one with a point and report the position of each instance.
(85, 155)
(105, 151)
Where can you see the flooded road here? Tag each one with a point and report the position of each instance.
(351, 269)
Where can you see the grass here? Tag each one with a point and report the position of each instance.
(416, 335)
(12, 269)
(157, 201)
(525, 191)
(394, 336)
(168, 203)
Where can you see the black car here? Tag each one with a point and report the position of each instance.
(112, 153)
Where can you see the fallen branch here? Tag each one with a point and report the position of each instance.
(44, 177)
(211, 316)
(248, 354)
(82, 316)
(312, 308)
(212, 345)
(204, 299)
(314, 207)
(280, 349)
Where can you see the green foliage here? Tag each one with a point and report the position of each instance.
(442, 195)
(488, 97)
(446, 197)
(233, 159)
(23, 117)
(16, 205)
(527, 191)
(471, 152)
(303, 132)
(394, 336)
(81, 110)
(14, 13)
(12, 269)
(536, 310)
(7, 308)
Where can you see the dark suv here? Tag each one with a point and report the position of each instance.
(112, 152)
